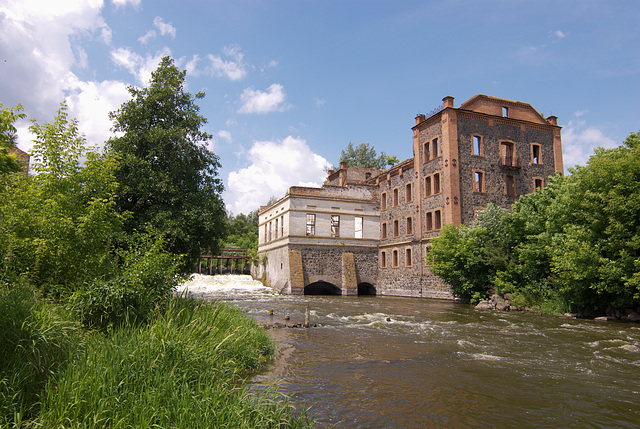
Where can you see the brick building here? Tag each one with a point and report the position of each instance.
(486, 150)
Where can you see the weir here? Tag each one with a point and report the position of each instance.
(227, 261)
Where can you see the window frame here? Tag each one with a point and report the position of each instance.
(409, 225)
(477, 145)
(436, 181)
(536, 160)
(408, 257)
(408, 192)
(479, 182)
(383, 201)
(335, 226)
(358, 228)
(311, 226)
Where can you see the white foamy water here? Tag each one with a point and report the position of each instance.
(228, 285)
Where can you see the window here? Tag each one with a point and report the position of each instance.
(505, 111)
(429, 223)
(282, 226)
(535, 154)
(395, 258)
(395, 197)
(358, 227)
(478, 181)
(435, 148)
(276, 230)
(427, 154)
(438, 219)
(269, 231)
(383, 259)
(427, 186)
(507, 154)
(311, 224)
(266, 236)
(367, 176)
(436, 183)
(538, 183)
(478, 150)
(384, 231)
(383, 201)
(396, 229)
(335, 226)
(409, 225)
(510, 185)
(408, 261)
(408, 196)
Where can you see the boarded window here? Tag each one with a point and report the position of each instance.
(429, 221)
(510, 185)
(507, 154)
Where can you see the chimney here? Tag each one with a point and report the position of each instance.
(447, 102)
(343, 165)
(419, 118)
(553, 120)
(331, 172)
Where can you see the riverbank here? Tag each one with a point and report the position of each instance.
(184, 368)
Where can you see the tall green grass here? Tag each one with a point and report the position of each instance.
(184, 369)
(37, 340)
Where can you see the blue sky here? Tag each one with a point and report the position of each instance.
(290, 82)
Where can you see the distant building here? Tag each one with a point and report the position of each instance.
(22, 158)
(486, 150)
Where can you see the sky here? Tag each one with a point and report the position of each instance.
(289, 83)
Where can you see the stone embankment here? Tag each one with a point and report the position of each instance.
(496, 302)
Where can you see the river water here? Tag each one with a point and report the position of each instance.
(385, 362)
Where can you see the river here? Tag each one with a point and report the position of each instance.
(387, 362)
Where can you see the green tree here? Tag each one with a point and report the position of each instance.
(168, 177)
(469, 257)
(365, 156)
(57, 227)
(8, 116)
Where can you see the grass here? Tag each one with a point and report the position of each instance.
(185, 368)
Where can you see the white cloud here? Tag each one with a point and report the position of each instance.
(164, 27)
(148, 36)
(256, 101)
(36, 41)
(224, 135)
(275, 166)
(124, 3)
(232, 69)
(579, 142)
(559, 34)
(139, 66)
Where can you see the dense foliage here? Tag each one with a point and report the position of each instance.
(168, 177)
(574, 245)
(8, 161)
(365, 156)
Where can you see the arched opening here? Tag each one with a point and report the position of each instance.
(366, 289)
(322, 288)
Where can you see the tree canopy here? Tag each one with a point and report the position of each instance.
(168, 177)
(365, 156)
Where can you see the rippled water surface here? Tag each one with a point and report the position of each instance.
(383, 362)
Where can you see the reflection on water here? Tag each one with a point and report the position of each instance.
(382, 362)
